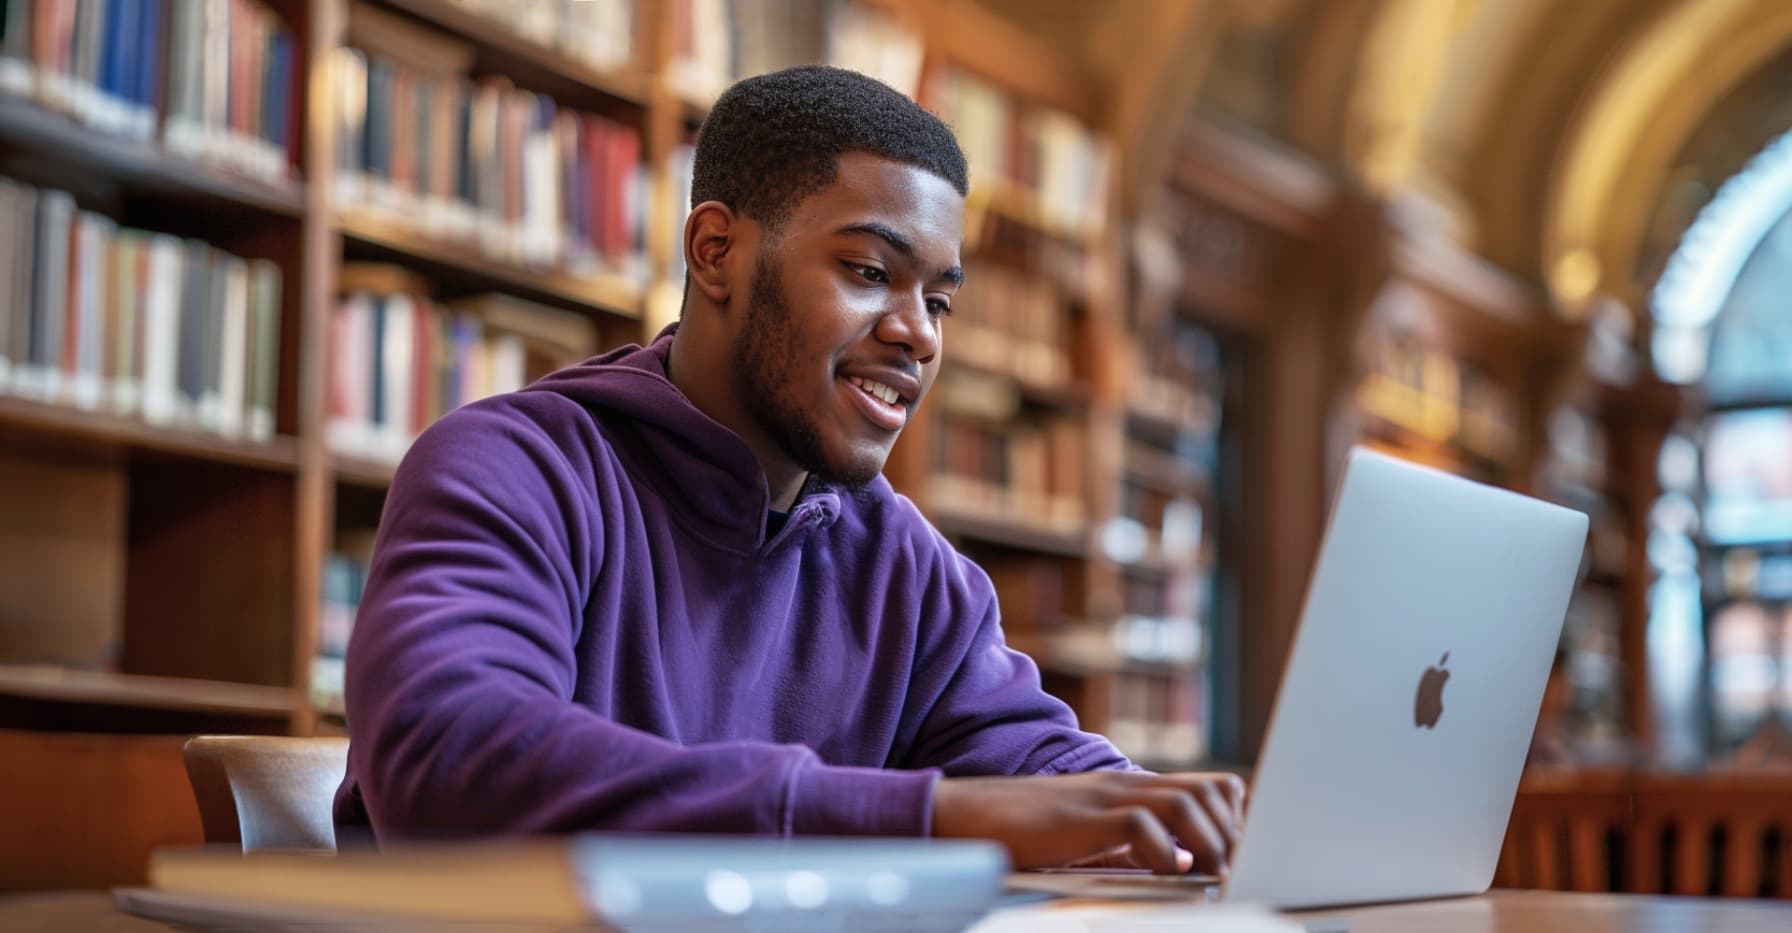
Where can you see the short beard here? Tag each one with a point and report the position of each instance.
(763, 363)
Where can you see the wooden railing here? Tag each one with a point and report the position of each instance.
(1727, 834)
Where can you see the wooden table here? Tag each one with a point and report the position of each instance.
(1498, 912)
(1558, 912)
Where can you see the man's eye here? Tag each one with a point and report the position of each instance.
(870, 273)
(938, 308)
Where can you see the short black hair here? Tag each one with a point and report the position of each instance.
(775, 139)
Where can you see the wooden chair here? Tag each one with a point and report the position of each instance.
(266, 792)
(1713, 834)
(1566, 832)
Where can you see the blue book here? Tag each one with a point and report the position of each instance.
(578, 187)
(276, 89)
(107, 75)
(124, 43)
(146, 90)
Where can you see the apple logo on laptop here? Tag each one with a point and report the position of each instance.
(1429, 704)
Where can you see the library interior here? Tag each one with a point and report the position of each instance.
(251, 249)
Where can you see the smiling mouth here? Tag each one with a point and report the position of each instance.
(882, 405)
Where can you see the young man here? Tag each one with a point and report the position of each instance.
(668, 589)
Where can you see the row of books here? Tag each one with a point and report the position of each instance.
(1158, 719)
(215, 78)
(1030, 471)
(1179, 377)
(139, 324)
(1059, 165)
(344, 579)
(598, 33)
(399, 361)
(1011, 322)
(718, 42)
(506, 171)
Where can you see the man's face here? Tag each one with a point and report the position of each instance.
(843, 326)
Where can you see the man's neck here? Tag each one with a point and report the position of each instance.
(783, 479)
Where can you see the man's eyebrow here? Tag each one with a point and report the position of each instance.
(900, 244)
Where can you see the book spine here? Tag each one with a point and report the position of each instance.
(211, 343)
(149, 58)
(121, 378)
(349, 71)
(397, 356)
(164, 304)
(264, 349)
(89, 311)
(18, 70)
(186, 74)
(233, 355)
(12, 228)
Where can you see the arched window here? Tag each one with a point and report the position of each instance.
(1721, 535)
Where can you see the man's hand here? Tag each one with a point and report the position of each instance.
(1170, 822)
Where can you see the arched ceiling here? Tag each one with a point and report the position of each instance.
(1551, 132)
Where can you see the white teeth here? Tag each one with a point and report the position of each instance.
(876, 390)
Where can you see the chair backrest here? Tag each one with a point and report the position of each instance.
(1713, 833)
(1565, 831)
(266, 792)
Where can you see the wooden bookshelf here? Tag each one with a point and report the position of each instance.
(464, 268)
(1165, 472)
(500, 50)
(362, 472)
(175, 694)
(30, 132)
(60, 426)
(1012, 532)
(213, 550)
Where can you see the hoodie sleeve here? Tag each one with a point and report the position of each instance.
(989, 713)
(461, 671)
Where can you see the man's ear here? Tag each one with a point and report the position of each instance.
(710, 244)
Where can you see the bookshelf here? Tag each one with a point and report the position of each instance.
(194, 579)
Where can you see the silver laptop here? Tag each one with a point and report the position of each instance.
(1408, 702)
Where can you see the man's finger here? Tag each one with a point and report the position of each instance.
(1193, 825)
(1213, 798)
(1151, 844)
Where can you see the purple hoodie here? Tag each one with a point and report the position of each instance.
(574, 621)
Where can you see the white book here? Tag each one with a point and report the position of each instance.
(234, 362)
(161, 303)
(214, 80)
(264, 348)
(509, 363)
(541, 198)
(398, 356)
(83, 386)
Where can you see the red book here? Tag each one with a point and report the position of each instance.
(243, 19)
(625, 158)
(426, 402)
(404, 121)
(595, 169)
